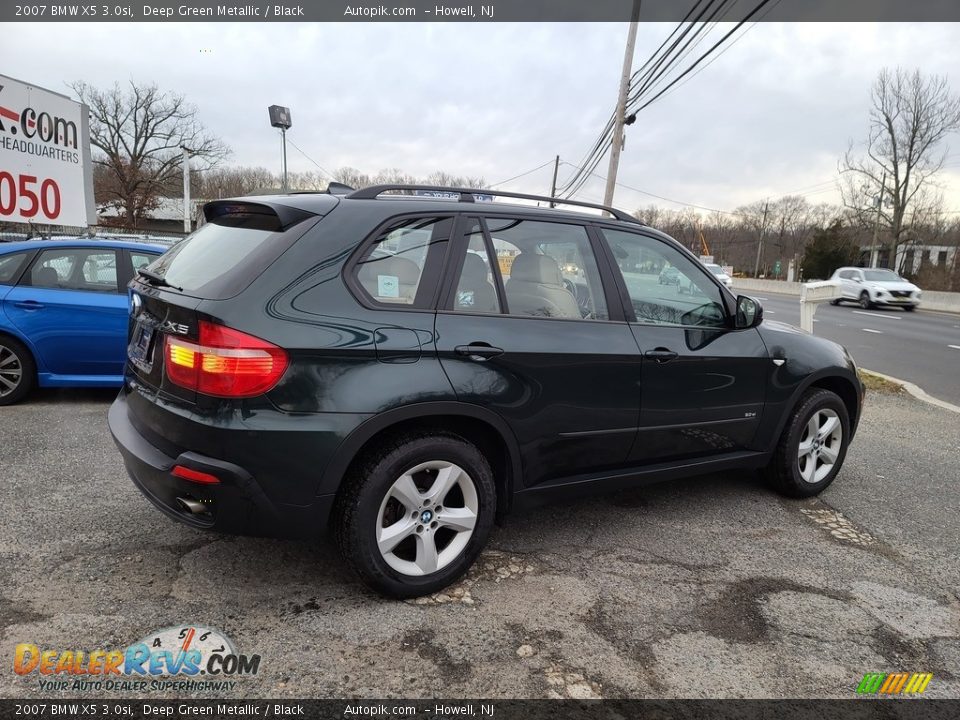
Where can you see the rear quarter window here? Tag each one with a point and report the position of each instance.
(400, 267)
(10, 266)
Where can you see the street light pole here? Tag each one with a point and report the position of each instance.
(283, 134)
(616, 142)
(187, 225)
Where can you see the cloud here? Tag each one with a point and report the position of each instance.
(772, 114)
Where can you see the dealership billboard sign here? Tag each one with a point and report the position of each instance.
(46, 174)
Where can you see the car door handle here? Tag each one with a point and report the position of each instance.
(28, 304)
(478, 351)
(660, 355)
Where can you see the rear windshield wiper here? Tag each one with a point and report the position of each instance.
(156, 279)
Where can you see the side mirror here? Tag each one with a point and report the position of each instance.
(749, 312)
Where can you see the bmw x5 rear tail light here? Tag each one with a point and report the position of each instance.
(224, 363)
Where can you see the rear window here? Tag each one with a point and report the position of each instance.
(224, 256)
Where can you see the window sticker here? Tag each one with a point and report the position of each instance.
(388, 286)
(465, 298)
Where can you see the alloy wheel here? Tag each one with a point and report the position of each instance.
(11, 371)
(427, 517)
(819, 446)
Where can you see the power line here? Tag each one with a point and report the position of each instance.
(604, 135)
(663, 65)
(707, 53)
(721, 53)
(327, 172)
(600, 146)
(515, 177)
(660, 197)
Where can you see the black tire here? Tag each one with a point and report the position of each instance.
(909, 308)
(834, 302)
(865, 301)
(22, 361)
(358, 507)
(783, 472)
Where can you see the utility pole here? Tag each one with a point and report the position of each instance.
(616, 142)
(876, 221)
(763, 229)
(187, 224)
(553, 185)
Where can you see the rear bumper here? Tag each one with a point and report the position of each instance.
(237, 504)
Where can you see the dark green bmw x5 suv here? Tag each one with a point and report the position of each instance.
(407, 369)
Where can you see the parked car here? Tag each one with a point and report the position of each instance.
(63, 312)
(305, 380)
(871, 287)
(669, 276)
(720, 274)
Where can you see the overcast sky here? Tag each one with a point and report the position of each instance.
(771, 116)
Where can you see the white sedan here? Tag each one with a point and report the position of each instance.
(871, 287)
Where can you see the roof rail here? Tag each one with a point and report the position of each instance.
(466, 195)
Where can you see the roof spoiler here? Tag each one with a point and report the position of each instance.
(335, 188)
(253, 214)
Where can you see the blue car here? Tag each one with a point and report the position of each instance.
(63, 312)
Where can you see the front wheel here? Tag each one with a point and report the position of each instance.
(416, 513)
(812, 447)
(865, 301)
(909, 308)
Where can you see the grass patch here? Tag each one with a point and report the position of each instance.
(875, 383)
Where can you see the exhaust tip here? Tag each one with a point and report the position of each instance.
(191, 506)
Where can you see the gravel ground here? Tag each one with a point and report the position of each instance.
(710, 587)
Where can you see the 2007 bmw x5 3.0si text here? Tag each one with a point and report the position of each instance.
(408, 369)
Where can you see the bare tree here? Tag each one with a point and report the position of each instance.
(227, 182)
(910, 116)
(139, 132)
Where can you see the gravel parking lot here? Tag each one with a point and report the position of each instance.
(711, 587)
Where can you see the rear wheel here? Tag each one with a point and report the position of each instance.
(17, 371)
(812, 447)
(835, 302)
(865, 301)
(416, 513)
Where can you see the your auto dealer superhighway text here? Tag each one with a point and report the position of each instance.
(167, 11)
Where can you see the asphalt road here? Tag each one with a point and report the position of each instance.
(922, 347)
(710, 587)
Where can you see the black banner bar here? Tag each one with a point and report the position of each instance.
(472, 11)
(853, 709)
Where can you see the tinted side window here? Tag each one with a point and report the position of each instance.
(695, 299)
(400, 266)
(75, 269)
(548, 269)
(10, 266)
